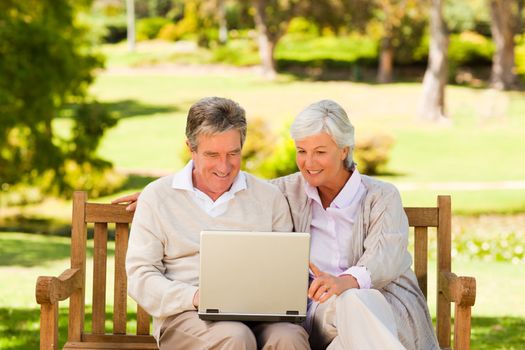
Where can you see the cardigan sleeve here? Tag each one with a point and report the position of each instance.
(386, 238)
(147, 284)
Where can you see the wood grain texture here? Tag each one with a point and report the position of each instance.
(49, 326)
(143, 321)
(99, 277)
(444, 243)
(115, 213)
(421, 257)
(50, 290)
(121, 285)
(78, 261)
(422, 216)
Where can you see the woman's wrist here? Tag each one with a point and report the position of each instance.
(349, 282)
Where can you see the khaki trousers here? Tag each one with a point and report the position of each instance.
(188, 331)
(357, 319)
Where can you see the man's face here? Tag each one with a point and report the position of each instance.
(217, 161)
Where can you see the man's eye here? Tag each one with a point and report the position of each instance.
(300, 151)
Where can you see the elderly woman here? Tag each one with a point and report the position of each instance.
(363, 293)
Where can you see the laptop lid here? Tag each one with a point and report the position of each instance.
(253, 276)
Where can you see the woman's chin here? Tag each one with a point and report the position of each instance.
(313, 179)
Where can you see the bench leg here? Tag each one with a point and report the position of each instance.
(462, 327)
(49, 326)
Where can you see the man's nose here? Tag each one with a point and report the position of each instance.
(224, 165)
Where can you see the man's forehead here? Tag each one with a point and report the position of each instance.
(228, 141)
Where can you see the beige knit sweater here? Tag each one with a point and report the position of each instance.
(379, 242)
(162, 261)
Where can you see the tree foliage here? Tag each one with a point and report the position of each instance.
(46, 65)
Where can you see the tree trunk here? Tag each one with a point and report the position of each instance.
(130, 9)
(386, 60)
(433, 103)
(502, 27)
(223, 25)
(267, 41)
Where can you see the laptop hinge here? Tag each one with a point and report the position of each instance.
(212, 311)
(292, 312)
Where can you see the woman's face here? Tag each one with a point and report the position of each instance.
(320, 160)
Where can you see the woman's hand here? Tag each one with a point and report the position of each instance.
(325, 285)
(131, 200)
(196, 299)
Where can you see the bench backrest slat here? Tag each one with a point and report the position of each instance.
(99, 277)
(143, 321)
(121, 285)
(420, 257)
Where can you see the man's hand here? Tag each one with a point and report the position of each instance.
(196, 299)
(131, 200)
(325, 285)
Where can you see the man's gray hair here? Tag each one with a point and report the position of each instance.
(213, 115)
(326, 116)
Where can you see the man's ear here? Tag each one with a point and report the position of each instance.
(188, 145)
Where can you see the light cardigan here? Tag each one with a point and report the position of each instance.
(379, 243)
(162, 261)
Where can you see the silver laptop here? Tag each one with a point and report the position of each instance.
(253, 276)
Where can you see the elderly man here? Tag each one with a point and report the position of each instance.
(211, 192)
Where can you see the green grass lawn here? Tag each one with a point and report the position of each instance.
(498, 316)
(482, 144)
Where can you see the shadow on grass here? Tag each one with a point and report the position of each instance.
(498, 333)
(132, 108)
(20, 328)
(136, 181)
(21, 251)
(126, 109)
(28, 253)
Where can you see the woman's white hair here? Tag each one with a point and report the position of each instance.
(326, 116)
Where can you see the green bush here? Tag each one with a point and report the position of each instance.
(169, 32)
(520, 55)
(326, 52)
(302, 27)
(238, 52)
(149, 28)
(372, 152)
(469, 48)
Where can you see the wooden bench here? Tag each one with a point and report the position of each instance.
(72, 283)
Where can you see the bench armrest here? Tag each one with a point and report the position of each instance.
(459, 290)
(50, 290)
(462, 292)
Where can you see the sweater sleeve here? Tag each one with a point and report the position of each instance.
(147, 284)
(385, 247)
(281, 217)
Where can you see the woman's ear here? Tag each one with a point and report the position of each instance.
(344, 154)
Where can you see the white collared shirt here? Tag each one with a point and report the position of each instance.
(182, 180)
(331, 230)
